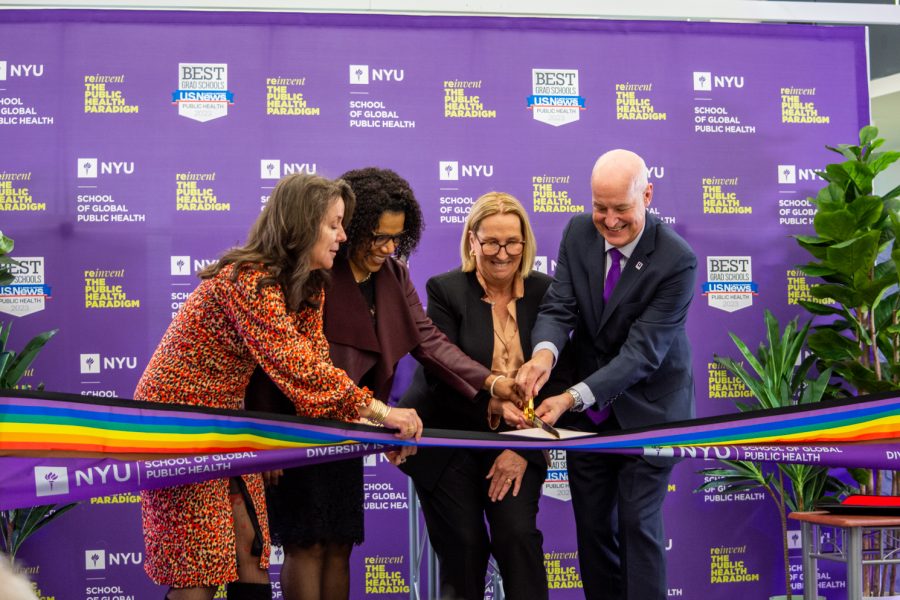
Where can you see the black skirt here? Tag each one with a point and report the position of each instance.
(318, 504)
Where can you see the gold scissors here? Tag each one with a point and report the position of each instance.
(535, 420)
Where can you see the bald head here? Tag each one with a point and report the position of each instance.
(622, 165)
(620, 195)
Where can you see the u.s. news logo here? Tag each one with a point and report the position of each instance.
(554, 96)
(729, 282)
(202, 93)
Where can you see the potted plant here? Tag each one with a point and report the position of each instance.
(857, 303)
(18, 524)
(778, 379)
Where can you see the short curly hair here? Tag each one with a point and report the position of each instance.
(378, 191)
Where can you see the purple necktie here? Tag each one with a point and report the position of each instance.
(615, 270)
(597, 416)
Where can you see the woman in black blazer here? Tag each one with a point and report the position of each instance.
(372, 318)
(486, 307)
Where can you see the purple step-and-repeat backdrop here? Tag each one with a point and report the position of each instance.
(136, 146)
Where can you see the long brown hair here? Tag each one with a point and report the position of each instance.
(280, 240)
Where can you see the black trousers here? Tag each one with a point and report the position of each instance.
(618, 523)
(455, 510)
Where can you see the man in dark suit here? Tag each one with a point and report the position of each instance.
(622, 288)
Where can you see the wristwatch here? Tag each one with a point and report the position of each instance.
(579, 401)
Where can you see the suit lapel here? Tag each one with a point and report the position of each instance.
(481, 319)
(353, 327)
(397, 330)
(634, 269)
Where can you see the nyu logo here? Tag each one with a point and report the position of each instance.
(51, 481)
(183, 265)
(450, 170)
(88, 168)
(276, 555)
(545, 265)
(273, 168)
(790, 174)
(119, 472)
(554, 96)
(98, 560)
(95, 560)
(705, 81)
(94, 363)
(363, 75)
(8, 70)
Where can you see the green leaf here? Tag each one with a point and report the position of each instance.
(867, 135)
(882, 161)
(816, 270)
(818, 250)
(6, 244)
(847, 151)
(830, 345)
(861, 175)
(836, 225)
(841, 293)
(854, 255)
(25, 522)
(890, 196)
(866, 211)
(817, 308)
(4, 334)
(815, 390)
(26, 356)
(839, 180)
(832, 197)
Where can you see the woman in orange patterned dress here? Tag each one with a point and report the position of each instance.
(259, 304)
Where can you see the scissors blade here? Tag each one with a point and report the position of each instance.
(538, 422)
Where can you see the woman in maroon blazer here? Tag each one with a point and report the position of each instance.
(373, 317)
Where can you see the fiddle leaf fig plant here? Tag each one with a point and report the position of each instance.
(856, 257)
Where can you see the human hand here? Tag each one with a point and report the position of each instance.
(534, 374)
(552, 408)
(271, 478)
(398, 457)
(508, 411)
(406, 421)
(506, 473)
(506, 389)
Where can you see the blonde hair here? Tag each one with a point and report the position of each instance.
(488, 205)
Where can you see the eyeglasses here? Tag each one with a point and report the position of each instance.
(492, 248)
(382, 239)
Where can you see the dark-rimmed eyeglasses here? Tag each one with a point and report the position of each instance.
(382, 239)
(492, 247)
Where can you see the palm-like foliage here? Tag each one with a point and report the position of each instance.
(778, 379)
(17, 525)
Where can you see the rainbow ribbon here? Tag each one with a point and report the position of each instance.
(62, 447)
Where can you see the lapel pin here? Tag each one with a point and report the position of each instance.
(638, 265)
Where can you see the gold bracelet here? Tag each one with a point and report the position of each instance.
(380, 411)
(494, 382)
